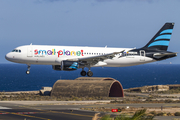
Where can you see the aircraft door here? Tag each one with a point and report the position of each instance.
(29, 51)
(142, 55)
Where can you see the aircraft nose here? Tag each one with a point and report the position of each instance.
(8, 56)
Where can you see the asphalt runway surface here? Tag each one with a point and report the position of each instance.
(30, 114)
(55, 110)
(9, 111)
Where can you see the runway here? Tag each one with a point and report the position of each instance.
(63, 110)
(18, 111)
(30, 114)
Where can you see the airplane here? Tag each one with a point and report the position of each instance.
(70, 58)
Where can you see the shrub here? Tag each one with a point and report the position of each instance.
(160, 114)
(106, 117)
(169, 114)
(168, 101)
(177, 114)
(153, 113)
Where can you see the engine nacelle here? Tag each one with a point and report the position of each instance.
(56, 67)
(67, 66)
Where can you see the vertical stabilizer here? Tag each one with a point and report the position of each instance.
(162, 38)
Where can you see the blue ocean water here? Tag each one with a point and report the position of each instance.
(14, 78)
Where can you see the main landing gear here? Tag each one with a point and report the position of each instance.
(83, 73)
(28, 71)
(89, 73)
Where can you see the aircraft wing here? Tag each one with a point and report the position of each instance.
(95, 59)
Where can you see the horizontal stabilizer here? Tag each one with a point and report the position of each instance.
(160, 55)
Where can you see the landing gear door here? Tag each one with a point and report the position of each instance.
(142, 55)
(29, 51)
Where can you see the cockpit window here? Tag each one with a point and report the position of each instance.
(15, 50)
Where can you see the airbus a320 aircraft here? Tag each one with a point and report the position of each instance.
(70, 58)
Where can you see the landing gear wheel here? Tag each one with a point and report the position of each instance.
(27, 72)
(83, 73)
(90, 74)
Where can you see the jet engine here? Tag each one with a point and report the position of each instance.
(66, 66)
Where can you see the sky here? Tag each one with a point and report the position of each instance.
(115, 23)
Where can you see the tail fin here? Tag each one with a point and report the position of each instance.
(161, 40)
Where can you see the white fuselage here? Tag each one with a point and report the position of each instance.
(53, 55)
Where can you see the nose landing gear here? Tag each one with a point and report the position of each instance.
(28, 71)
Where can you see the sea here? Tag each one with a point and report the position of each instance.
(13, 77)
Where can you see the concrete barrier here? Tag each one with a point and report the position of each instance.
(88, 87)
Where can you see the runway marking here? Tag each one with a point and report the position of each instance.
(71, 114)
(43, 111)
(4, 107)
(31, 116)
(47, 111)
(4, 113)
(13, 113)
(91, 106)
